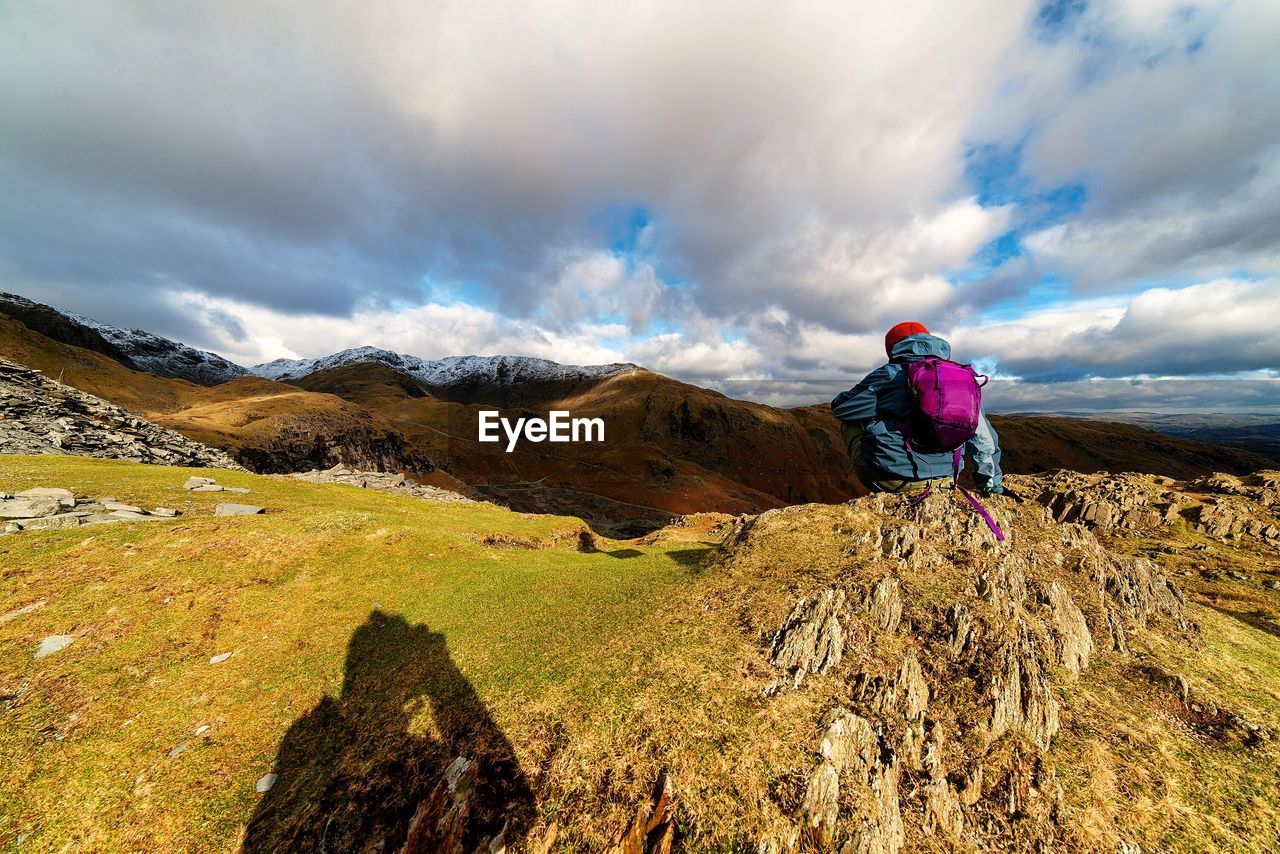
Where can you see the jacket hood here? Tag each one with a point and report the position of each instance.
(916, 347)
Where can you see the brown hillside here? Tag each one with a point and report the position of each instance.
(266, 426)
(670, 448)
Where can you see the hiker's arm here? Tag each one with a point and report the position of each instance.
(984, 449)
(859, 403)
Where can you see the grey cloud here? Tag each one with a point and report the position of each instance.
(311, 155)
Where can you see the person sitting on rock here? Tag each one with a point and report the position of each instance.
(873, 415)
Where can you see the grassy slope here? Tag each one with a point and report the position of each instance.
(553, 641)
(597, 667)
(1148, 769)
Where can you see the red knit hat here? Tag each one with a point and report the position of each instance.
(902, 330)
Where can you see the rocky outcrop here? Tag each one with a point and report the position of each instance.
(809, 641)
(56, 509)
(41, 416)
(652, 830)
(1221, 506)
(360, 445)
(383, 481)
(949, 652)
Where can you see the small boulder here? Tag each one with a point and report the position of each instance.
(165, 512)
(28, 508)
(194, 482)
(46, 492)
(130, 515)
(47, 523)
(265, 782)
(52, 644)
(237, 510)
(120, 507)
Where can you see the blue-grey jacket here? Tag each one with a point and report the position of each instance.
(883, 400)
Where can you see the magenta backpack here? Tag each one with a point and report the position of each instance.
(946, 408)
(947, 402)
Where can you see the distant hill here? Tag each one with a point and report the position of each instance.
(132, 348)
(670, 448)
(265, 426)
(1034, 444)
(1256, 432)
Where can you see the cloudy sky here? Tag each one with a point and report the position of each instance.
(1081, 194)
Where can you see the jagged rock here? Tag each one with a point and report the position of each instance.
(194, 482)
(1003, 584)
(1068, 629)
(441, 819)
(905, 693)
(943, 813)
(970, 787)
(810, 640)
(849, 746)
(1020, 692)
(884, 604)
(963, 631)
(41, 416)
(237, 510)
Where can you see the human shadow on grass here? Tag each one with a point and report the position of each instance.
(351, 774)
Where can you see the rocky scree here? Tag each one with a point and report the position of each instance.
(41, 416)
(382, 481)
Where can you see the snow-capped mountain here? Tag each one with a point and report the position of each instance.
(449, 371)
(133, 348)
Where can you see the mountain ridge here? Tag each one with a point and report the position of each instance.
(134, 348)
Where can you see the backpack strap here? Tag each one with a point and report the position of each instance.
(982, 511)
(957, 457)
(977, 505)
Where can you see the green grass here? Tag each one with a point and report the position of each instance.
(549, 638)
(375, 636)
